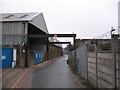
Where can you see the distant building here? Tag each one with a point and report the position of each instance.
(54, 39)
(104, 44)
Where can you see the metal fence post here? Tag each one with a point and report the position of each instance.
(87, 59)
(75, 61)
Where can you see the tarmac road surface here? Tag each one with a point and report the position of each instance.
(54, 75)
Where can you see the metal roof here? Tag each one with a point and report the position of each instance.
(18, 16)
(36, 19)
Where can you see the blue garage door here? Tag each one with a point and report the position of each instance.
(7, 57)
(38, 57)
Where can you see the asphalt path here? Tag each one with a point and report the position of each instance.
(54, 75)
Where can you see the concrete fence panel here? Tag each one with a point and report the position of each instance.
(92, 68)
(118, 70)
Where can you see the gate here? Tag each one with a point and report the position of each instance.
(7, 57)
(38, 57)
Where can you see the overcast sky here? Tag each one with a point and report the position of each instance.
(86, 18)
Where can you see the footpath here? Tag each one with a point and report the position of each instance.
(12, 76)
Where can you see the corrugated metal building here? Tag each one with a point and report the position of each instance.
(15, 30)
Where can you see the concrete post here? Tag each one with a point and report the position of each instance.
(96, 52)
(114, 46)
